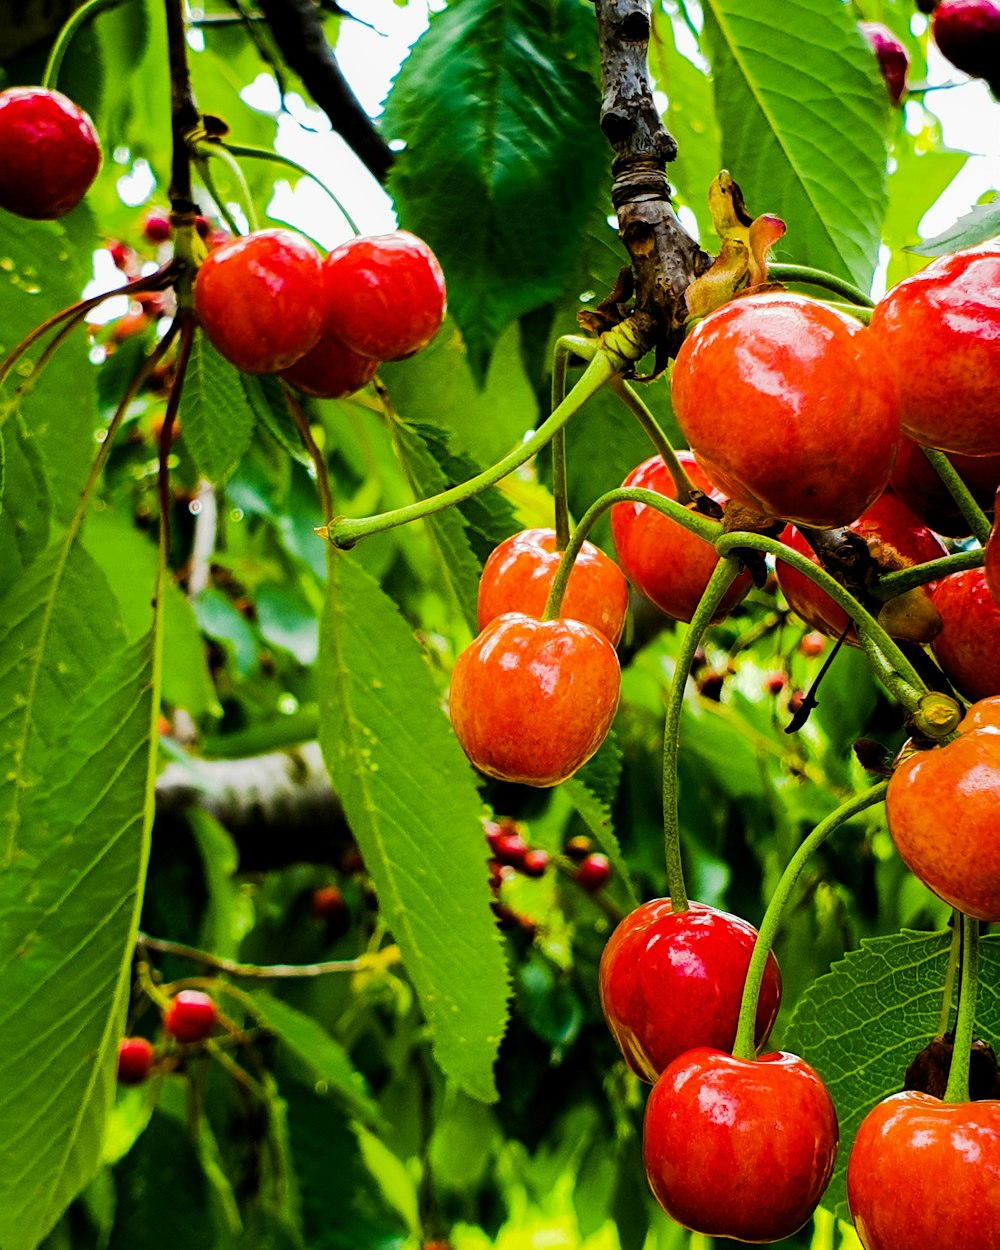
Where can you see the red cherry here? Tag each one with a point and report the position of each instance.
(895, 538)
(386, 295)
(913, 479)
(531, 701)
(739, 1148)
(157, 228)
(121, 254)
(812, 644)
(968, 645)
(941, 808)
(535, 862)
(330, 370)
(593, 872)
(991, 566)
(257, 299)
(925, 1174)
(893, 58)
(774, 683)
(191, 1016)
(327, 904)
(667, 563)
(947, 317)
(786, 405)
(519, 574)
(509, 848)
(968, 34)
(49, 153)
(672, 980)
(135, 1058)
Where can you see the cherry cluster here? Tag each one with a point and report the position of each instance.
(189, 1017)
(269, 303)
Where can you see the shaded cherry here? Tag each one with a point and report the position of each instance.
(191, 1016)
(535, 862)
(672, 980)
(893, 58)
(135, 1059)
(968, 34)
(739, 1148)
(914, 480)
(519, 573)
(593, 872)
(991, 564)
(968, 644)
(49, 153)
(156, 227)
(330, 370)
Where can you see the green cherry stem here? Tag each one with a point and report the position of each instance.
(857, 311)
(560, 364)
(683, 485)
(82, 15)
(957, 1089)
(205, 151)
(954, 962)
(745, 1046)
(975, 517)
(344, 532)
(889, 585)
(722, 578)
(909, 687)
(818, 277)
(264, 154)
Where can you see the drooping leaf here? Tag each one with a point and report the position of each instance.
(804, 114)
(411, 801)
(215, 413)
(862, 1024)
(76, 806)
(971, 229)
(497, 112)
(323, 1057)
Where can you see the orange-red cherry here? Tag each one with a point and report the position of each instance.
(968, 644)
(519, 574)
(991, 563)
(941, 808)
(940, 335)
(49, 153)
(135, 1059)
(925, 1174)
(914, 480)
(259, 300)
(531, 701)
(786, 404)
(386, 295)
(330, 370)
(664, 561)
(672, 980)
(190, 1016)
(739, 1148)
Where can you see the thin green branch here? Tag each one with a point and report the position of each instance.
(957, 1089)
(889, 585)
(976, 519)
(84, 14)
(686, 490)
(818, 277)
(249, 971)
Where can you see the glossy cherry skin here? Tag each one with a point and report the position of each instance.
(941, 808)
(672, 980)
(914, 480)
(519, 573)
(191, 1016)
(947, 317)
(330, 370)
(992, 563)
(968, 34)
(925, 1174)
(664, 561)
(785, 403)
(386, 295)
(49, 153)
(968, 646)
(135, 1058)
(531, 701)
(893, 58)
(895, 538)
(258, 299)
(739, 1148)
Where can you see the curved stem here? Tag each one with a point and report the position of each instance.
(265, 154)
(722, 578)
(208, 178)
(978, 523)
(248, 971)
(560, 362)
(344, 532)
(683, 485)
(818, 277)
(889, 585)
(78, 19)
(218, 152)
(186, 326)
(312, 447)
(957, 1089)
(867, 627)
(745, 1046)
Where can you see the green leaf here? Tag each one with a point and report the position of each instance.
(592, 791)
(862, 1024)
(76, 805)
(411, 801)
(27, 505)
(267, 399)
(975, 227)
(497, 113)
(215, 413)
(324, 1058)
(804, 114)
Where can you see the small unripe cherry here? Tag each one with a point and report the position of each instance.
(191, 1016)
(535, 862)
(327, 904)
(156, 227)
(510, 848)
(893, 58)
(135, 1058)
(593, 873)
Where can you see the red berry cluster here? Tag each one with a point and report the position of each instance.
(270, 304)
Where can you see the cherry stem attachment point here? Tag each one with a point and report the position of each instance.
(683, 485)
(976, 519)
(745, 1046)
(957, 1089)
(723, 576)
(818, 277)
